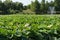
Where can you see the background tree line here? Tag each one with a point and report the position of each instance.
(10, 7)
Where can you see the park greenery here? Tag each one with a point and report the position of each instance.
(29, 27)
(18, 26)
(10, 7)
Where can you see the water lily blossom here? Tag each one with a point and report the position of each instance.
(27, 24)
(49, 26)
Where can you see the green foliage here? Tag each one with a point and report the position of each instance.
(35, 7)
(57, 5)
(9, 7)
(26, 27)
(43, 6)
(47, 5)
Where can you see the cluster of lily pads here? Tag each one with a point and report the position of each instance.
(29, 27)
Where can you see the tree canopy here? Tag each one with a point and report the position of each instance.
(10, 7)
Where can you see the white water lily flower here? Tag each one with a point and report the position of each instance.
(49, 26)
(27, 33)
(27, 24)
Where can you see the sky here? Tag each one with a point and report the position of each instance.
(26, 2)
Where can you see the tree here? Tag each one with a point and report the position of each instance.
(57, 5)
(8, 1)
(35, 7)
(28, 7)
(25, 7)
(32, 6)
(51, 3)
(43, 6)
(0, 5)
(20, 7)
(6, 6)
(47, 6)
